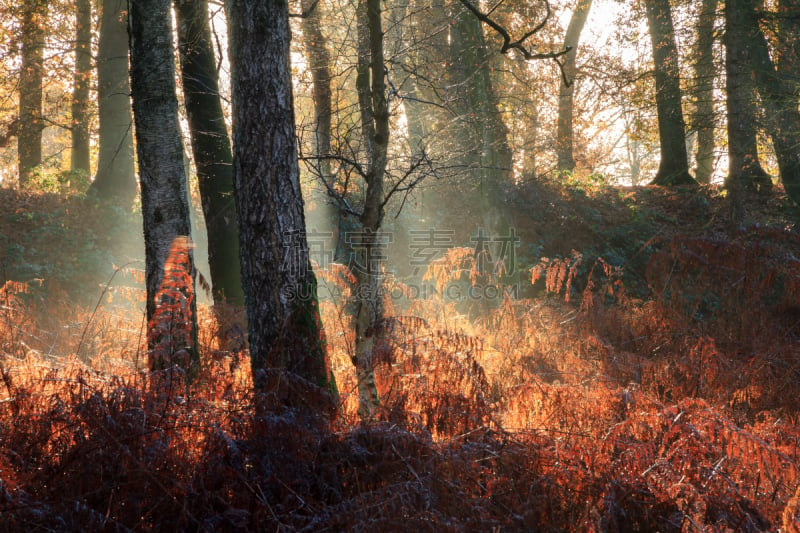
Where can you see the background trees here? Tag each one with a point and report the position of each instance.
(448, 78)
(31, 120)
(114, 179)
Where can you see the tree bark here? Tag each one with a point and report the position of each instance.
(674, 166)
(211, 149)
(788, 36)
(778, 98)
(80, 156)
(564, 135)
(169, 268)
(114, 181)
(280, 288)
(426, 61)
(704, 73)
(484, 142)
(316, 48)
(31, 121)
(374, 111)
(744, 169)
(315, 45)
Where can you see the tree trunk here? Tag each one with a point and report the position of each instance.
(280, 288)
(788, 35)
(564, 139)
(744, 169)
(426, 65)
(211, 148)
(171, 305)
(374, 111)
(114, 179)
(80, 160)
(31, 123)
(704, 73)
(316, 47)
(674, 166)
(485, 136)
(778, 98)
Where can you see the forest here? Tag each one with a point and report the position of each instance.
(400, 265)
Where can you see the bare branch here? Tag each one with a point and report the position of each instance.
(306, 12)
(519, 44)
(341, 201)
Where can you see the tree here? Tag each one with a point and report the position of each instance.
(484, 136)
(211, 149)
(744, 168)
(674, 166)
(31, 121)
(114, 179)
(787, 61)
(779, 99)
(169, 268)
(566, 161)
(280, 288)
(315, 45)
(363, 200)
(374, 112)
(704, 73)
(80, 159)
(318, 57)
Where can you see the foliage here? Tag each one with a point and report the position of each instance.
(607, 412)
(71, 242)
(63, 182)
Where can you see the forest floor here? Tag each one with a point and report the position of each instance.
(647, 379)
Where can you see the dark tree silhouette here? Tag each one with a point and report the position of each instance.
(211, 148)
(674, 166)
(779, 98)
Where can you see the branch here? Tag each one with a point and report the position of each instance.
(344, 205)
(519, 44)
(399, 187)
(394, 92)
(306, 12)
(12, 130)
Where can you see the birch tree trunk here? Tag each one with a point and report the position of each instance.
(373, 106)
(169, 267)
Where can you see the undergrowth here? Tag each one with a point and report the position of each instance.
(587, 409)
